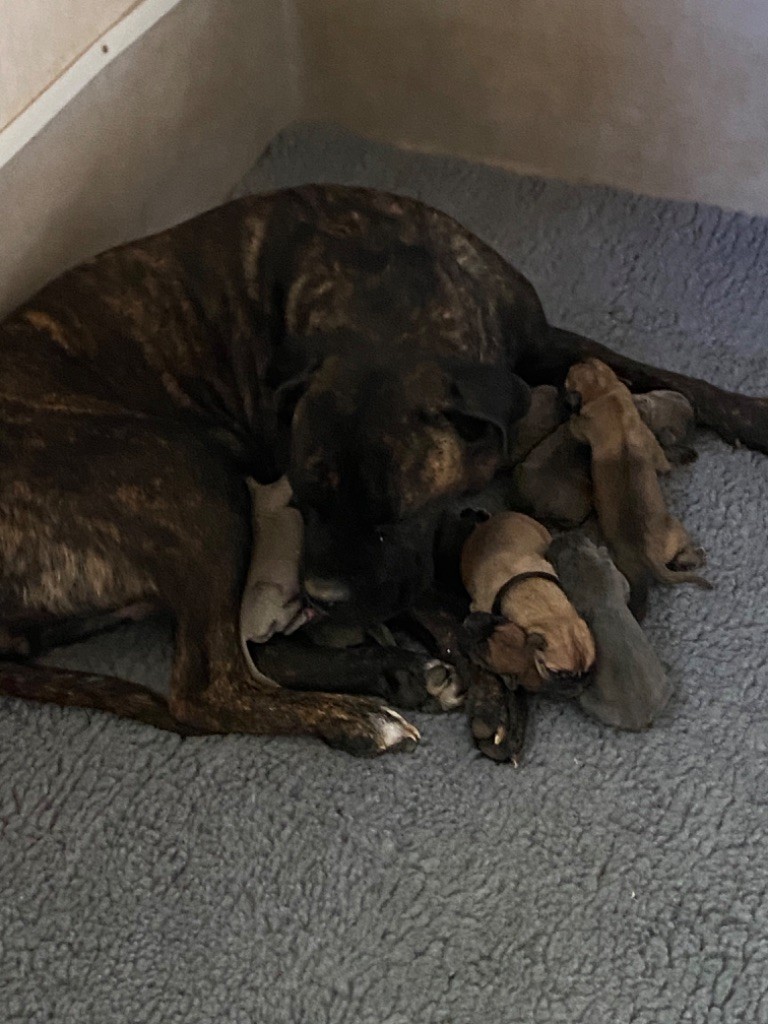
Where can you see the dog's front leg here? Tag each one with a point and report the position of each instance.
(398, 676)
(155, 513)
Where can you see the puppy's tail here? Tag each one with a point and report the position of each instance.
(664, 574)
(735, 417)
(84, 690)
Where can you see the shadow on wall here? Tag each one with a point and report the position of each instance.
(658, 98)
(162, 133)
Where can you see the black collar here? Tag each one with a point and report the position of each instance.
(521, 578)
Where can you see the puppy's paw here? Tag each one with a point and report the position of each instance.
(412, 681)
(445, 685)
(689, 558)
(498, 717)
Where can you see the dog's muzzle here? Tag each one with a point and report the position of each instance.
(326, 594)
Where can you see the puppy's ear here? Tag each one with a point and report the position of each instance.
(536, 640)
(572, 401)
(484, 395)
(475, 515)
(479, 626)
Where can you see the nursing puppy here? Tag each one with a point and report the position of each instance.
(645, 539)
(505, 572)
(629, 686)
(552, 479)
(545, 414)
(553, 482)
(272, 600)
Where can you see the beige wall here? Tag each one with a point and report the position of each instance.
(667, 97)
(39, 38)
(164, 132)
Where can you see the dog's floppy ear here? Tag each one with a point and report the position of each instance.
(484, 394)
(288, 393)
(289, 375)
(479, 626)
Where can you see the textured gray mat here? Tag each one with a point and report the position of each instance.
(612, 879)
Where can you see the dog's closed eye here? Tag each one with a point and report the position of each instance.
(469, 428)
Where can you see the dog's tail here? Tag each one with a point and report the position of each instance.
(84, 690)
(736, 418)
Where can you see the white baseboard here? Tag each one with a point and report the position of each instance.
(26, 125)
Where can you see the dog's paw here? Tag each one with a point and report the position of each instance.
(393, 732)
(498, 717)
(374, 730)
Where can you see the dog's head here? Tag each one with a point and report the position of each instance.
(377, 447)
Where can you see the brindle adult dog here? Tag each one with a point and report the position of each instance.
(365, 343)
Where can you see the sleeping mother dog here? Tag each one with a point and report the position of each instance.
(366, 344)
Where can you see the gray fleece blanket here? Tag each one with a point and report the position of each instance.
(611, 879)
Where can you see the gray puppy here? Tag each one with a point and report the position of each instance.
(671, 418)
(630, 685)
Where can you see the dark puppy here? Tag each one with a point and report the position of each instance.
(364, 343)
(547, 411)
(629, 686)
(553, 482)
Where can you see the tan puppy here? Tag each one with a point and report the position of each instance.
(555, 641)
(646, 541)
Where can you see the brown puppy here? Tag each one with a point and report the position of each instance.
(495, 563)
(547, 411)
(553, 482)
(645, 539)
(552, 479)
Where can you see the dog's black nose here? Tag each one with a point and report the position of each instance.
(325, 592)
